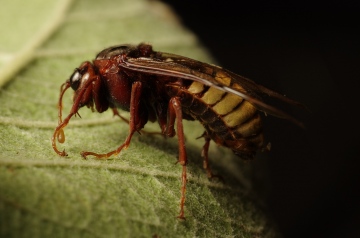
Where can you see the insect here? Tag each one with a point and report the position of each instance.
(167, 88)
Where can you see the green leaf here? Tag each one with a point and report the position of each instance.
(135, 194)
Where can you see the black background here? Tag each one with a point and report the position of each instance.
(310, 51)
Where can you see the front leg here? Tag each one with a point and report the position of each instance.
(82, 97)
(175, 112)
(136, 122)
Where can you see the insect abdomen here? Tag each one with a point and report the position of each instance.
(228, 119)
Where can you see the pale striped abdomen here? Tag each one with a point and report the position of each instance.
(228, 119)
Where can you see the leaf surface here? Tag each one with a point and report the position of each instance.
(135, 194)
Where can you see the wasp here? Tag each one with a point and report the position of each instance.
(167, 88)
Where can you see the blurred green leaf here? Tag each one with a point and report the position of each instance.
(135, 194)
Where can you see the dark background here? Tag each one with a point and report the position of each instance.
(310, 51)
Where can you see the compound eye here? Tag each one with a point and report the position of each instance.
(75, 79)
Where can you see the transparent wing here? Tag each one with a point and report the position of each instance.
(165, 64)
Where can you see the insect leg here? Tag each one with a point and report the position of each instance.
(135, 123)
(116, 113)
(205, 155)
(175, 111)
(59, 130)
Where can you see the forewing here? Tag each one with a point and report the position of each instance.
(182, 67)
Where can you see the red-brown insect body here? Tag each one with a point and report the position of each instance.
(156, 86)
(115, 86)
